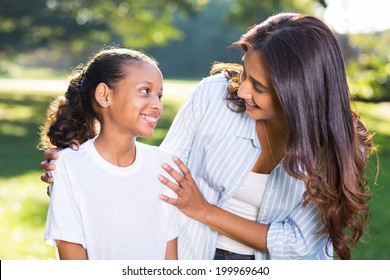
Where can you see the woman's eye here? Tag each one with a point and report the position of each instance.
(242, 76)
(259, 90)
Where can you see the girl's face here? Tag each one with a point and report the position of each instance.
(135, 106)
(260, 99)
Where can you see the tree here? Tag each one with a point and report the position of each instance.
(208, 34)
(27, 25)
(369, 70)
(245, 13)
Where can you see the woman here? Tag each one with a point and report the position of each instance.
(104, 201)
(277, 157)
(313, 150)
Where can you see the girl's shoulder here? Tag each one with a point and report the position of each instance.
(69, 154)
(155, 151)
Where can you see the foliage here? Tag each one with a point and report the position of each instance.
(247, 13)
(27, 25)
(206, 40)
(208, 35)
(369, 70)
(375, 245)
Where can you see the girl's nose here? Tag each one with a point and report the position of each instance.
(157, 103)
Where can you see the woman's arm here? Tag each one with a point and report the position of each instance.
(192, 203)
(296, 236)
(71, 251)
(171, 251)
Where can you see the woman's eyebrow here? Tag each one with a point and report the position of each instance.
(257, 83)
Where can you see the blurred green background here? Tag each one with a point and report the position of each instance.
(40, 41)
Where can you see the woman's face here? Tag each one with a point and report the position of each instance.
(260, 99)
(135, 107)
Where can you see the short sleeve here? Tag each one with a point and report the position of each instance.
(63, 218)
(297, 237)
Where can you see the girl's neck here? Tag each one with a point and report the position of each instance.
(119, 150)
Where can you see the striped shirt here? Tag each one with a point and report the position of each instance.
(220, 147)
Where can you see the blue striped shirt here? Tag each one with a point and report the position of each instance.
(220, 147)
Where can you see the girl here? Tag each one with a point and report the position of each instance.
(104, 201)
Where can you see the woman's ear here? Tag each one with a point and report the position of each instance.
(102, 93)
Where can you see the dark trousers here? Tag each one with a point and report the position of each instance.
(226, 255)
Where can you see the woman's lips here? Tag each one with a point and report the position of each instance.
(250, 106)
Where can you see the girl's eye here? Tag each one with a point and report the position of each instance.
(160, 96)
(145, 90)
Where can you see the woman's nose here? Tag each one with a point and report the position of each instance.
(243, 91)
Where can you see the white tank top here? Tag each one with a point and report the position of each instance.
(244, 203)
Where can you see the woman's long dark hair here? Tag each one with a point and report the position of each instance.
(72, 118)
(327, 144)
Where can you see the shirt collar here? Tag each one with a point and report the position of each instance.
(248, 130)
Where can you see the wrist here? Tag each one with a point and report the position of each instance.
(206, 215)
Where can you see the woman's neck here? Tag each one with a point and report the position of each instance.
(119, 150)
(273, 139)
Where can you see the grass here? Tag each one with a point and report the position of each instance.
(377, 245)
(16, 72)
(23, 200)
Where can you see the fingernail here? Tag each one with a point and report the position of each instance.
(160, 178)
(164, 165)
(52, 166)
(74, 147)
(175, 158)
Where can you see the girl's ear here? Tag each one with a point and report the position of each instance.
(102, 93)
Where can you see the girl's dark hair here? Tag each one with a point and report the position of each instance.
(327, 144)
(71, 118)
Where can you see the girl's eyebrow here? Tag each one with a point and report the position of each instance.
(150, 84)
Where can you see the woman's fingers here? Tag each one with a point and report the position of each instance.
(46, 166)
(169, 200)
(182, 166)
(175, 187)
(45, 177)
(175, 175)
(183, 180)
(50, 154)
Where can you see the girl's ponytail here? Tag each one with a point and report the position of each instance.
(71, 117)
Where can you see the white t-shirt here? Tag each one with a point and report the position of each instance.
(114, 212)
(245, 203)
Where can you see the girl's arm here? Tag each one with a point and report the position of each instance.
(71, 251)
(171, 251)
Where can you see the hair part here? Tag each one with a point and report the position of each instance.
(73, 117)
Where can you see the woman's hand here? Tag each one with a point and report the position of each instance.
(192, 203)
(189, 199)
(51, 154)
(47, 166)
